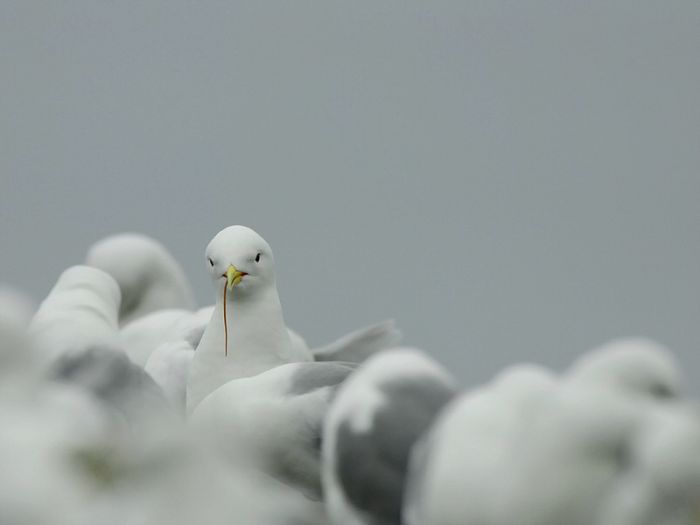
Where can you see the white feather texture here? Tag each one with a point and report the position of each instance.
(81, 311)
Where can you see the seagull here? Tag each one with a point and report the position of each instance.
(247, 334)
(377, 416)
(251, 390)
(149, 277)
(76, 333)
(639, 367)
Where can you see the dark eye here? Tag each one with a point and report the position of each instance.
(257, 257)
(211, 263)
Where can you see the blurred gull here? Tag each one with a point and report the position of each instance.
(40, 434)
(640, 367)
(377, 417)
(478, 463)
(108, 374)
(165, 475)
(585, 430)
(76, 331)
(42, 426)
(149, 277)
(458, 470)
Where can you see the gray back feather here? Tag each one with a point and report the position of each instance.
(372, 466)
(111, 377)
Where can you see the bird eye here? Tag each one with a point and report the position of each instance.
(211, 263)
(257, 257)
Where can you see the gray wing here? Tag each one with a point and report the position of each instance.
(415, 481)
(370, 461)
(109, 375)
(312, 376)
(357, 346)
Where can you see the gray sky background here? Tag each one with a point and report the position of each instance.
(509, 180)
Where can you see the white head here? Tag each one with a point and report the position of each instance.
(238, 256)
(148, 275)
(639, 366)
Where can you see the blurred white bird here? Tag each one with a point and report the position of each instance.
(458, 471)
(576, 435)
(375, 420)
(42, 426)
(76, 333)
(149, 277)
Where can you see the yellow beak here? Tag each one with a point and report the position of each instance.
(233, 276)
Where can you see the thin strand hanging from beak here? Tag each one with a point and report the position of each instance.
(225, 324)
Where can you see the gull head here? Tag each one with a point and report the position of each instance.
(238, 257)
(636, 365)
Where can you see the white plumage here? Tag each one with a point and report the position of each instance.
(149, 277)
(537, 449)
(81, 311)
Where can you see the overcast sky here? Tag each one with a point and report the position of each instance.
(509, 180)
